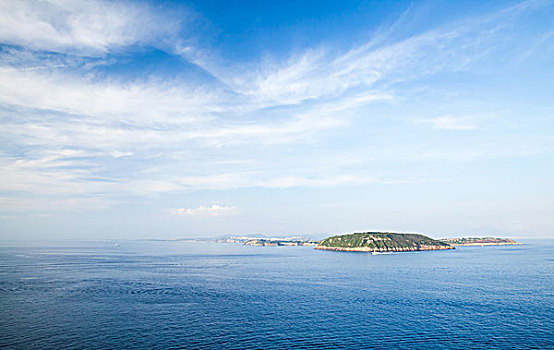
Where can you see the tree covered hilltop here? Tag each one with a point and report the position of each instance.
(381, 242)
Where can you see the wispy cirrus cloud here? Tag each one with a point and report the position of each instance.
(76, 27)
(326, 72)
(449, 122)
(73, 131)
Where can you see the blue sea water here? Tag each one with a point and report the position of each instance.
(148, 294)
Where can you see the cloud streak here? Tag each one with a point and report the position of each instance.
(73, 132)
(449, 122)
(82, 28)
(206, 210)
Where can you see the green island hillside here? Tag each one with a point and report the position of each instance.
(381, 242)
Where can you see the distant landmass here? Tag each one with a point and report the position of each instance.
(470, 241)
(381, 242)
(269, 242)
(369, 242)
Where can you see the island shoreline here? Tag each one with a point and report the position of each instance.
(373, 250)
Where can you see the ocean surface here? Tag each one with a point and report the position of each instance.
(152, 294)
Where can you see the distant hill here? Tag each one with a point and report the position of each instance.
(381, 242)
(469, 241)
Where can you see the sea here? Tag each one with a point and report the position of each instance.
(201, 295)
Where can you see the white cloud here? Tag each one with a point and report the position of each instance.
(80, 27)
(326, 72)
(204, 210)
(142, 103)
(74, 131)
(49, 204)
(272, 181)
(449, 122)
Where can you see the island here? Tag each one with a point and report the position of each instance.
(479, 241)
(381, 242)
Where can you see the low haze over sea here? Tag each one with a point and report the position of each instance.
(158, 294)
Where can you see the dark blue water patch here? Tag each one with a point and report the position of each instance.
(223, 296)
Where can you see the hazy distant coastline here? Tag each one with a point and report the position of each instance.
(479, 241)
(370, 242)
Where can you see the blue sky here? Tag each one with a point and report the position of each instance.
(196, 119)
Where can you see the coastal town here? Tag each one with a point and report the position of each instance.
(479, 241)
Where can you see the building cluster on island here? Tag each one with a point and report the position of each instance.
(374, 242)
(469, 241)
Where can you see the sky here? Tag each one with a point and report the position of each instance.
(131, 120)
